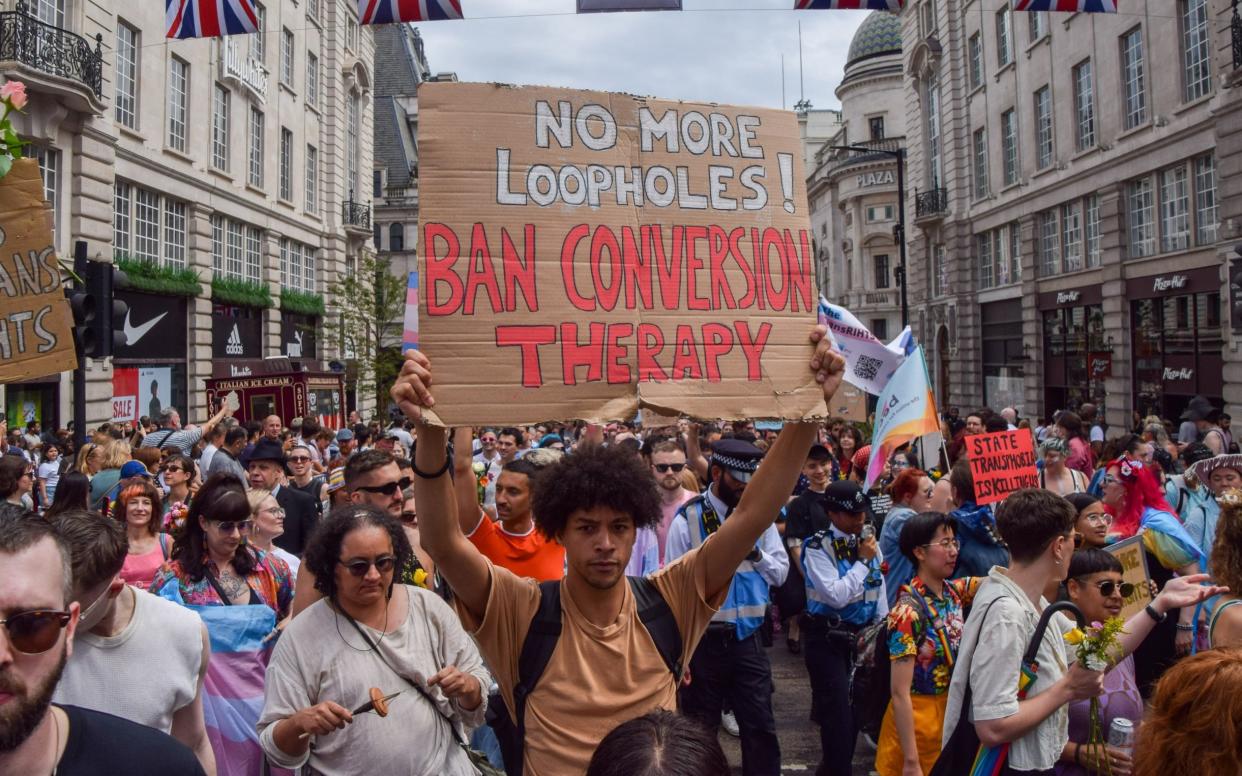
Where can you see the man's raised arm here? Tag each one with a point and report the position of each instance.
(771, 485)
(465, 483)
(439, 532)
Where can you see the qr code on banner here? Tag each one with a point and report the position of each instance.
(867, 367)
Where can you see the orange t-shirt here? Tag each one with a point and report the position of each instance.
(598, 677)
(526, 555)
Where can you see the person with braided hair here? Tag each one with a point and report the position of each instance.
(1225, 621)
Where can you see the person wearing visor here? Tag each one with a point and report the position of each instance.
(730, 666)
(845, 593)
(1219, 473)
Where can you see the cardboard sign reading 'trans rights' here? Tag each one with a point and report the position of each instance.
(585, 254)
(35, 334)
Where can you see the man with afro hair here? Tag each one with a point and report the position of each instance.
(605, 668)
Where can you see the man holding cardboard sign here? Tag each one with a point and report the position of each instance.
(606, 670)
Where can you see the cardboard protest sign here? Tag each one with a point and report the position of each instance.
(35, 321)
(1001, 463)
(585, 254)
(1134, 570)
(849, 403)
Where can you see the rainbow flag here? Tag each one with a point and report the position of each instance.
(905, 412)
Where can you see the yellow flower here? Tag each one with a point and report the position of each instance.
(420, 578)
(1076, 636)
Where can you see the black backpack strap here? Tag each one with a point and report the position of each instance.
(659, 621)
(537, 649)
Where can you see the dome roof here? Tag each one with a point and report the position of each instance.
(880, 33)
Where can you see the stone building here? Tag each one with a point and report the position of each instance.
(853, 191)
(1077, 195)
(240, 160)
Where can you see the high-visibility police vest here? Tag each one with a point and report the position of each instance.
(747, 601)
(859, 612)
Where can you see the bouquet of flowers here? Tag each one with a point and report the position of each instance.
(13, 98)
(482, 473)
(174, 518)
(1097, 648)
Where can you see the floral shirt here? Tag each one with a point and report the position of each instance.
(910, 636)
(271, 581)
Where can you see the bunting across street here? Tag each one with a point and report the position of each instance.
(209, 18)
(1067, 6)
(392, 11)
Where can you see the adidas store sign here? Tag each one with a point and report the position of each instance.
(234, 345)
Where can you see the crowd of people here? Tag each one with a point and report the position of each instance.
(569, 598)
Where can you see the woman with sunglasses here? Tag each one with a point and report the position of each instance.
(269, 522)
(1055, 475)
(1093, 520)
(241, 593)
(17, 481)
(136, 508)
(367, 632)
(924, 631)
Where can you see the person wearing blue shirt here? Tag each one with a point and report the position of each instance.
(845, 593)
(730, 664)
(982, 546)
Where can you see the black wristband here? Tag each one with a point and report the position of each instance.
(1157, 616)
(438, 473)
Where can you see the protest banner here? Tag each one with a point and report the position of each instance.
(869, 363)
(906, 412)
(849, 403)
(1001, 463)
(587, 254)
(35, 322)
(1134, 570)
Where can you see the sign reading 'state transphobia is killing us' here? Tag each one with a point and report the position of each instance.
(585, 254)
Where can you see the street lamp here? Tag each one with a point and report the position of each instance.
(899, 231)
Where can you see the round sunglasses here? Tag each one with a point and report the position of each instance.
(359, 567)
(36, 631)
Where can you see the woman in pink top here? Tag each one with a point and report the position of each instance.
(139, 507)
(1081, 457)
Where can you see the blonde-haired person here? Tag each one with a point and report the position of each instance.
(268, 523)
(115, 455)
(90, 458)
(1194, 717)
(1225, 619)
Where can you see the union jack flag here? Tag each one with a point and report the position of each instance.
(842, 5)
(389, 11)
(208, 18)
(1067, 6)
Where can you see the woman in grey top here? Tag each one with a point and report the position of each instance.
(369, 632)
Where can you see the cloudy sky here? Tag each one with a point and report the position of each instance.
(726, 51)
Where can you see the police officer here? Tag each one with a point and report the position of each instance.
(730, 664)
(845, 593)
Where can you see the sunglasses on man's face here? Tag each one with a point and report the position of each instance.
(1108, 586)
(35, 631)
(664, 468)
(358, 567)
(299, 459)
(388, 488)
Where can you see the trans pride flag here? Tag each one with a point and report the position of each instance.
(906, 411)
(1067, 6)
(409, 337)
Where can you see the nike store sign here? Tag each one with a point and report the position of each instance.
(155, 326)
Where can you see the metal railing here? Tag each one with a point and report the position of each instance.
(878, 150)
(930, 203)
(48, 48)
(356, 214)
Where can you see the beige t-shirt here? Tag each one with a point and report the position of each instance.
(597, 677)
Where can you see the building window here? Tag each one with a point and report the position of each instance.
(284, 263)
(292, 265)
(1043, 128)
(927, 18)
(1039, 25)
(1049, 244)
(1174, 210)
(312, 179)
(1084, 106)
(217, 243)
(1205, 200)
(258, 41)
(1093, 230)
(983, 246)
(877, 213)
(121, 203)
(976, 61)
(1004, 37)
(1071, 236)
(353, 149)
(999, 244)
(49, 170)
(255, 175)
(940, 271)
(1015, 252)
(308, 269)
(933, 131)
(1139, 206)
(1009, 146)
(377, 183)
(377, 236)
(876, 124)
(178, 94)
(979, 146)
(286, 57)
(295, 264)
(312, 10)
(1134, 88)
(286, 164)
(146, 225)
(174, 232)
(236, 257)
(1196, 49)
(879, 327)
(396, 237)
(254, 253)
(312, 79)
(220, 128)
(351, 32)
(881, 271)
(50, 12)
(126, 76)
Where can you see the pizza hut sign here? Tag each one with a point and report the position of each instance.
(1181, 373)
(1168, 283)
(1066, 297)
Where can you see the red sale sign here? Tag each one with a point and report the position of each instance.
(124, 395)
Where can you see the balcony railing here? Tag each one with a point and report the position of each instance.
(356, 214)
(47, 48)
(881, 150)
(933, 202)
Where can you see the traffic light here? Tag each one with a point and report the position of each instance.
(98, 317)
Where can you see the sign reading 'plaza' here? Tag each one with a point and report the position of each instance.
(884, 178)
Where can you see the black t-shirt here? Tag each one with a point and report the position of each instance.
(103, 745)
(805, 516)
